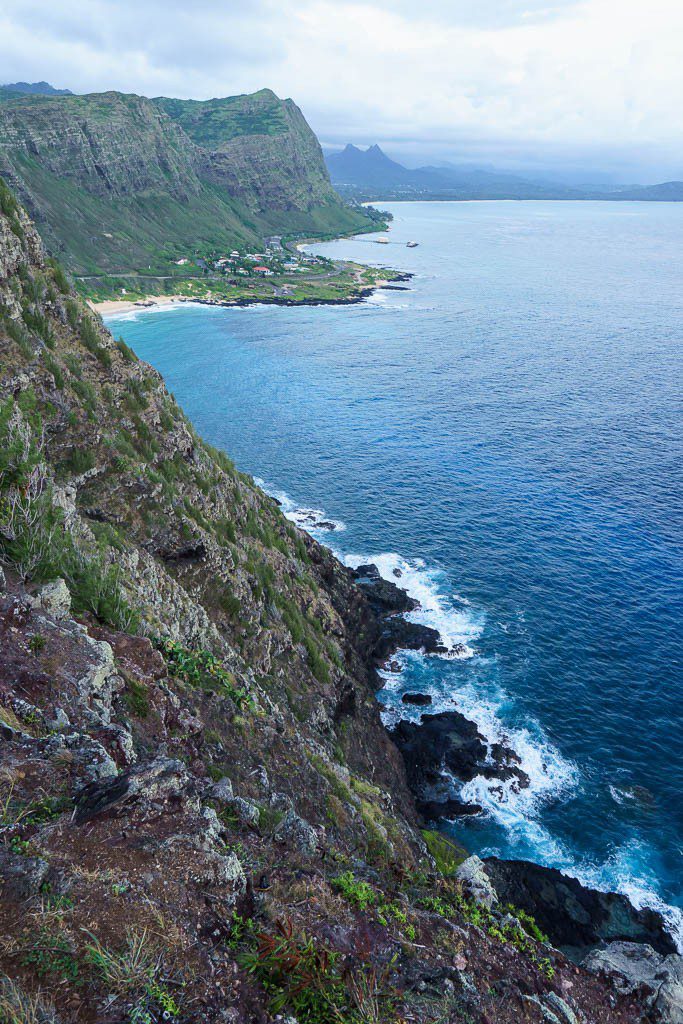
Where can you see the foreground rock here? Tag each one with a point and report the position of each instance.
(576, 918)
(633, 967)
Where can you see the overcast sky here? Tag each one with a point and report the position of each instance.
(546, 83)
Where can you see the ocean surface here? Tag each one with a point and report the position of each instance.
(508, 433)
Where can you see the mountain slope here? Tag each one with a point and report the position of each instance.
(203, 818)
(116, 184)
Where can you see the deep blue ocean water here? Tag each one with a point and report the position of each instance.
(508, 432)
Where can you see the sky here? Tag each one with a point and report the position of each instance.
(585, 90)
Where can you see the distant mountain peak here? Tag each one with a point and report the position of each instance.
(35, 89)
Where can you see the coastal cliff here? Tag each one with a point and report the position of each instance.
(203, 818)
(119, 183)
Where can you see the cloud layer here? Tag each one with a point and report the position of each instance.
(499, 79)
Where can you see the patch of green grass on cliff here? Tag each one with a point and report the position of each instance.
(33, 538)
(448, 856)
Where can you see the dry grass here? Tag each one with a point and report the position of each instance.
(18, 1007)
(133, 968)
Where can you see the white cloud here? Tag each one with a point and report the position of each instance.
(587, 75)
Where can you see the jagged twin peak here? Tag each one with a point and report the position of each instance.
(114, 181)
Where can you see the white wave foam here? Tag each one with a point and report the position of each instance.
(551, 776)
(314, 520)
(457, 626)
(132, 315)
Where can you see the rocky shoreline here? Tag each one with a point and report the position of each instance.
(445, 747)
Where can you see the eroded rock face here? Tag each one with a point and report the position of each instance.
(575, 918)
(160, 784)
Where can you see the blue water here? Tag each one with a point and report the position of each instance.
(508, 434)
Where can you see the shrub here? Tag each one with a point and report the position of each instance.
(202, 669)
(91, 339)
(314, 982)
(126, 351)
(32, 535)
(354, 890)
(77, 462)
(136, 698)
(19, 335)
(59, 276)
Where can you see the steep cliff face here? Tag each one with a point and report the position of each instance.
(88, 140)
(116, 182)
(259, 148)
(201, 816)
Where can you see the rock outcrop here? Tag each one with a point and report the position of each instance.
(576, 918)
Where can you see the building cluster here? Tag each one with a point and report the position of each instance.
(274, 260)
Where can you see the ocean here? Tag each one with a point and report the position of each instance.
(507, 433)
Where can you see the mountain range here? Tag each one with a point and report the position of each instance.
(371, 174)
(119, 183)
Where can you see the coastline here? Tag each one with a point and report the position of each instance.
(574, 872)
(396, 589)
(111, 307)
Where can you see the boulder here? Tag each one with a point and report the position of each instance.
(476, 882)
(53, 599)
(222, 791)
(163, 784)
(419, 699)
(296, 832)
(20, 877)
(449, 807)
(246, 811)
(368, 570)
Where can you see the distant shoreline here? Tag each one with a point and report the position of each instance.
(111, 307)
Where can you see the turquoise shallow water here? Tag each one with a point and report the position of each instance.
(508, 433)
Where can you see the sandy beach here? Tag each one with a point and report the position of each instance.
(127, 305)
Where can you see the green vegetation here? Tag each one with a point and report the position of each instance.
(212, 123)
(134, 971)
(202, 669)
(519, 929)
(136, 698)
(447, 855)
(33, 540)
(313, 982)
(357, 892)
(175, 205)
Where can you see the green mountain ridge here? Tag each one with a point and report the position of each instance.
(119, 183)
